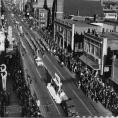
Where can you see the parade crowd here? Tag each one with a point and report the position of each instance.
(89, 81)
(28, 103)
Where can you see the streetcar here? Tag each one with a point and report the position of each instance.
(38, 59)
(55, 89)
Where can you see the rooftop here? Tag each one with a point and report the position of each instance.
(78, 23)
(109, 11)
(112, 40)
(111, 22)
(85, 7)
(110, 35)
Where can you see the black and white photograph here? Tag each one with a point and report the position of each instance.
(59, 58)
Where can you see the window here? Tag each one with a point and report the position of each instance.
(92, 49)
(42, 15)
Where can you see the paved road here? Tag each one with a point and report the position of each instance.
(48, 106)
(79, 99)
(82, 104)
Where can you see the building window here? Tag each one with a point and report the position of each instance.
(69, 37)
(42, 15)
(92, 49)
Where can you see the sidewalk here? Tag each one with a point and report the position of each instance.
(14, 109)
(47, 107)
(98, 106)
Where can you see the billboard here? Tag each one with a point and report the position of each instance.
(2, 41)
(10, 34)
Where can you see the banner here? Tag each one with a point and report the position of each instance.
(2, 41)
(3, 75)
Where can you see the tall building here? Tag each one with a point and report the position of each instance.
(51, 4)
(85, 7)
(59, 12)
(54, 9)
(38, 3)
(0, 12)
(43, 18)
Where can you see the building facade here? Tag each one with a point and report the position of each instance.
(43, 18)
(99, 51)
(95, 49)
(110, 14)
(64, 34)
(66, 30)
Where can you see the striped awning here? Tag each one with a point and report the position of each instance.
(89, 62)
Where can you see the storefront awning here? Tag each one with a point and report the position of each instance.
(89, 62)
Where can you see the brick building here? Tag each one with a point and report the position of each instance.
(99, 51)
(110, 14)
(95, 48)
(65, 30)
(43, 18)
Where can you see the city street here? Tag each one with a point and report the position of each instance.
(30, 41)
(59, 58)
(88, 108)
(48, 106)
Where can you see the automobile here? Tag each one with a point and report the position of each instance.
(39, 61)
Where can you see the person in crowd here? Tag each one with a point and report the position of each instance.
(89, 80)
(28, 103)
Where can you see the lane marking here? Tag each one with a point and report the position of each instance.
(55, 67)
(31, 45)
(33, 39)
(38, 71)
(47, 89)
(48, 92)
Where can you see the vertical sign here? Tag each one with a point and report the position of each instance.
(3, 75)
(2, 41)
(104, 46)
(104, 52)
(73, 29)
(10, 34)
